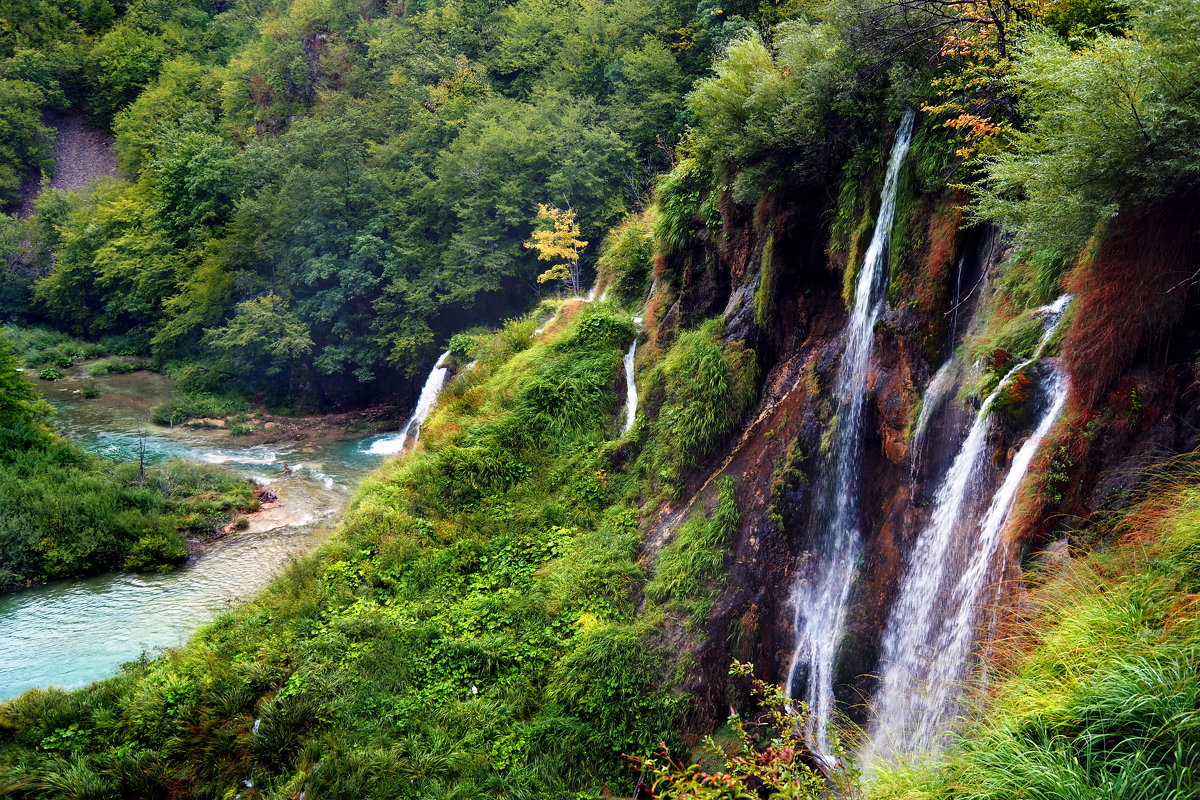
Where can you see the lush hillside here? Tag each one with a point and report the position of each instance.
(988, 211)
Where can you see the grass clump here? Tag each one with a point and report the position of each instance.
(687, 571)
(697, 395)
(114, 366)
(194, 405)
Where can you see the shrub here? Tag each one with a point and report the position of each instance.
(50, 374)
(193, 405)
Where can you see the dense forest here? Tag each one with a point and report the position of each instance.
(669, 534)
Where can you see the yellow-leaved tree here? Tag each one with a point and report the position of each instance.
(560, 241)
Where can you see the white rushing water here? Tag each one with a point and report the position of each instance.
(821, 595)
(631, 393)
(932, 626)
(395, 443)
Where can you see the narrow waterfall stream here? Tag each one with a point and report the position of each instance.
(933, 624)
(820, 597)
(631, 393)
(936, 393)
(394, 443)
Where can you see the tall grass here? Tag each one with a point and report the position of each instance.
(1103, 698)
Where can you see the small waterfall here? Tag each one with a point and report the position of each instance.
(956, 301)
(935, 394)
(391, 445)
(932, 626)
(631, 393)
(820, 600)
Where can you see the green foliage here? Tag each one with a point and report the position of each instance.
(371, 169)
(50, 374)
(688, 571)
(22, 135)
(458, 634)
(1112, 127)
(764, 112)
(20, 403)
(64, 512)
(764, 757)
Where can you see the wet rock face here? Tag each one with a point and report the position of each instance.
(779, 453)
(780, 450)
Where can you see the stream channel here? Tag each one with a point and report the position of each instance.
(69, 633)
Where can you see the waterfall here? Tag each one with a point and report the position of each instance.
(935, 394)
(956, 301)
(391, 445)
(820, 600)
(932, 626)
(631, 393)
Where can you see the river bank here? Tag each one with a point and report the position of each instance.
(70, 632)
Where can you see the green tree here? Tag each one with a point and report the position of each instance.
(1112, 125)
(263, 336)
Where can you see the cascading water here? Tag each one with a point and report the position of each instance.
(932, 626)
(820, 598)
(631, 393)
(392, 444)
(935, 394)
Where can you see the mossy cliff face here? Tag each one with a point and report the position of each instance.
(776, 273)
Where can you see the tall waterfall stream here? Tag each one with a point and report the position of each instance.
(933, 624)
(819, 598)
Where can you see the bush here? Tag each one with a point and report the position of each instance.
(50, 374)
(194, 405)
(701, 388)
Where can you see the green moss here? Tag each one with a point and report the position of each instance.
(859, 239)
(765, 296)
(787, 478)
(904, 239)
